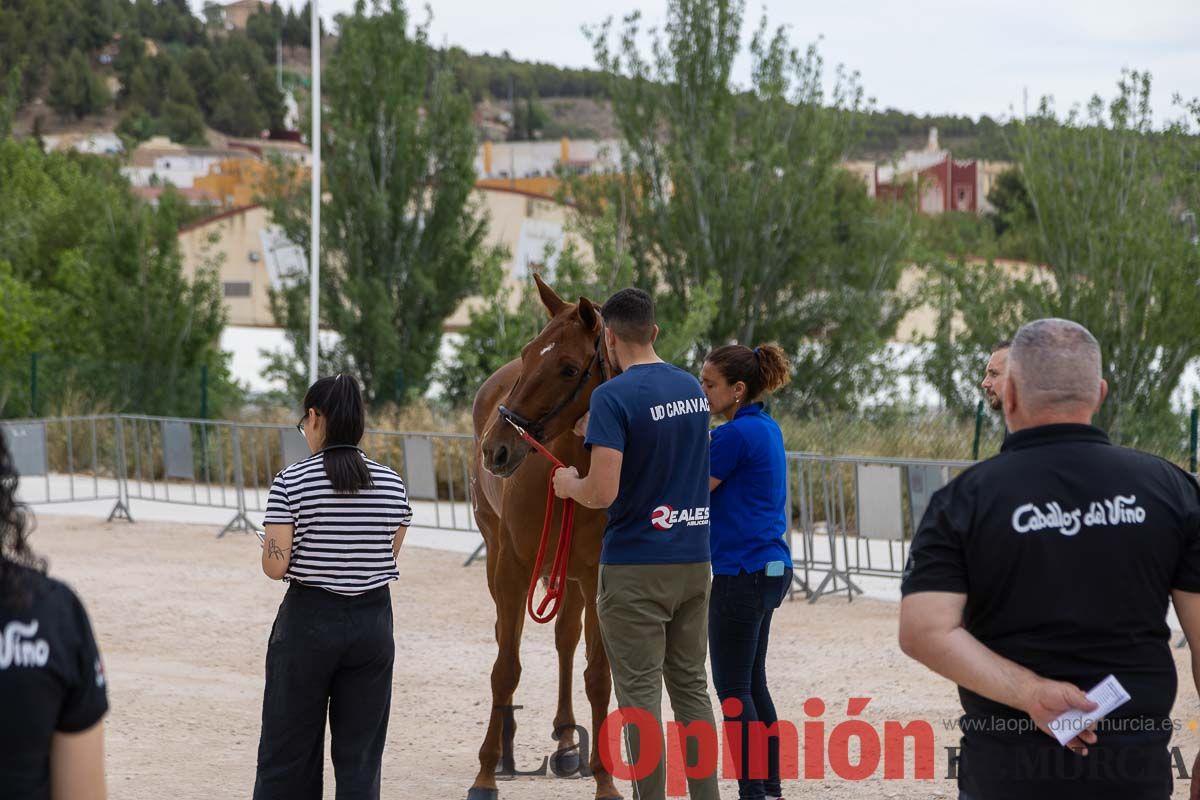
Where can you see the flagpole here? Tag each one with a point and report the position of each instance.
(314, 299)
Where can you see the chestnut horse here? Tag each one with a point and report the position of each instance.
(545, 391)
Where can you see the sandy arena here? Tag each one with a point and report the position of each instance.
(183, 619)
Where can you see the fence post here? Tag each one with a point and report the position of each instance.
(121, 509)
(240, 521)
(33, 370)
(204, 391)
(1194, 439)
(978, 430)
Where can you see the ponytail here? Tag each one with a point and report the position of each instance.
(764, 369)
(339, 401)
(773, 367)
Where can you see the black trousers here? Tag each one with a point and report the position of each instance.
(1035, 767)
(327, 653)
(739, 627)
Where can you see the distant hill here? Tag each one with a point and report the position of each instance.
(572, 102)
(146, 67)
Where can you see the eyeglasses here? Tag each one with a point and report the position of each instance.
(300, 424)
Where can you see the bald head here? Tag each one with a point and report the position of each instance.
(1055, 368)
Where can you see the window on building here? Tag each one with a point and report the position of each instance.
(237, 288)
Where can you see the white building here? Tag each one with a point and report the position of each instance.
(161, 161)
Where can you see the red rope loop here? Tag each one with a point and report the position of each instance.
(557, 584)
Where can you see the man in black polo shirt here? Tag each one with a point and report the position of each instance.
(1037, 573)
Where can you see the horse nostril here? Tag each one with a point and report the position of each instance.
(500, 458)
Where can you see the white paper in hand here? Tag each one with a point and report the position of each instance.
(262, 537)
(1108, 695)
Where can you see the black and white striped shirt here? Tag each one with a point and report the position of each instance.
(342, 542)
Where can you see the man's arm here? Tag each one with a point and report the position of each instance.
(1187, 608)
(932, 632)
(599, 488)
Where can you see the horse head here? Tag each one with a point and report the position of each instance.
(559, 369)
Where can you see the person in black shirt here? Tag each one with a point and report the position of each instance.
(1039, 572)
(52, 685)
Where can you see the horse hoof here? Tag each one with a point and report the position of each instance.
(483, 794)
(566, 761)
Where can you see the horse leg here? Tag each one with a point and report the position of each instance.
(597, 681)
(567, 629)
(511, 581)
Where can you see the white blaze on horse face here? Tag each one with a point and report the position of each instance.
(547, 348)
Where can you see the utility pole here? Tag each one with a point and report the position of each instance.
(314, 269)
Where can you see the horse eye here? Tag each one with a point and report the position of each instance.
(569, 371)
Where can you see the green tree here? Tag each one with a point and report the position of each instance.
(265, 28)
(141, 91)
(66, 91)
(500, 326)
(1106, 193)
(10, 100)
(1010, 200)
(203, 74)
(116, 317)
(135, 127)
(402, 242)
(237, 110)
(21, 319)
(76, 90)
(130, 55)
(182, 123)
(736, 196)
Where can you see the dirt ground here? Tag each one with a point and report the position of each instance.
(183, 618)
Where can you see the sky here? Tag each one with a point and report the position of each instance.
(922, 56)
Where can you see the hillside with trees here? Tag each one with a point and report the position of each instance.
(152, 67)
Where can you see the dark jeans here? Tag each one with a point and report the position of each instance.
(739, 626)
(326, 652)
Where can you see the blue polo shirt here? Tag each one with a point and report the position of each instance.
(657, 416)
(749, 508)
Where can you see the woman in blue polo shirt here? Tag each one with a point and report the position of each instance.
(752, 568)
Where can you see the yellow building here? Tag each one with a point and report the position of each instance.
(251, 255)
(237, 243)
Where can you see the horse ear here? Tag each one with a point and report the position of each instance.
(589, 315)
(550, 298)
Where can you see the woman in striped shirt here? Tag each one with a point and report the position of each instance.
(334, 525)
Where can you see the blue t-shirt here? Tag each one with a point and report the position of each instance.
(749, 508)
(657, 415)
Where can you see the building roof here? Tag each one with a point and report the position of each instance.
(193, 195)
(227, 214)
(262, 146)
(149, 151)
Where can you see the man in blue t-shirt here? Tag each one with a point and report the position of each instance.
(648, 435)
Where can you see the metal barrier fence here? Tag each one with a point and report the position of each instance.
(219, 465)
(850, 517)
(856, 515)
(76, 459)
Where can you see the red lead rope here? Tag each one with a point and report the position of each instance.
(558, 573)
